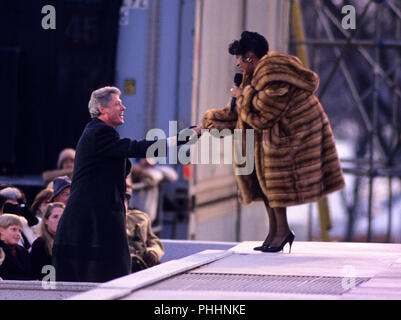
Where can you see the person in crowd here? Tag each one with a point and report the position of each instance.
(147, 198)
(61, 189)
(140, 175)
(38, 207)
(13, 200)
(40, 202)
(2, 257)
(145, 247)
(16, 264)
(91, 240)
(42, 248)
(65, 166)
(296, 160)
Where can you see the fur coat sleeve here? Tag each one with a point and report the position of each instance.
(220, 119)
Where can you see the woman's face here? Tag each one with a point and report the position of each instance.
(247, 62)
(44, 204)
(53, 220)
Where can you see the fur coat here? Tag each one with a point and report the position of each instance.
(296, 160)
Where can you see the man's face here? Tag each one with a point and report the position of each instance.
(113, 114)
(11, 235)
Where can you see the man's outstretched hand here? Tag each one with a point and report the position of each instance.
(197, 129)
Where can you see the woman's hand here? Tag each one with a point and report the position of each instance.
(235, 91)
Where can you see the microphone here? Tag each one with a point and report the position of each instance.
(237, 82)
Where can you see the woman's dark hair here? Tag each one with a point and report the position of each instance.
(250, 41)
(43, 195)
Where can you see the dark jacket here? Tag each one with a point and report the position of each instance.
(91, 242)
(40, 257)
(16, 267)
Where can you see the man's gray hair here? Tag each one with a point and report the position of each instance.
(101, 97)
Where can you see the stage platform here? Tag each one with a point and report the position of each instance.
(312, 271)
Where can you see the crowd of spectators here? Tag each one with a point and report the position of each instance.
(27, 232)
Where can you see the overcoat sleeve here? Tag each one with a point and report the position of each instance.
(109, 144)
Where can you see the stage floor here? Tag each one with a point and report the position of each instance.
(312, 271)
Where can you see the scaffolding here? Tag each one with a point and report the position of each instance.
(375, 40)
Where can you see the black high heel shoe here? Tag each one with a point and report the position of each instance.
(262, 247)
(289, 239)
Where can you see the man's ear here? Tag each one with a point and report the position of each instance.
(101, 109)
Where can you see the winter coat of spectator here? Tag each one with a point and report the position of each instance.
(13, 200)
(16, 264)
(41, 253)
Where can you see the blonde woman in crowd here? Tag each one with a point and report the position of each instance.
(41, 253)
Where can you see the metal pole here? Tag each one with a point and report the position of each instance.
(192, 223)
(374, 119)
(390, 205)
(394, 8)
(310, 222)
(395, 137)
(396, 127)
(152, 69)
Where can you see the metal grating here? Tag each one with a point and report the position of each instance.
(193, 281)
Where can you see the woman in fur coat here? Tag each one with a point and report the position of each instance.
(296, 160)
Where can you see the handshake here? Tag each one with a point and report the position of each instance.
(187, 135)
(197, 130)
(164, 147)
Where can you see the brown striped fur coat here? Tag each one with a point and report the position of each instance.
(296, 160)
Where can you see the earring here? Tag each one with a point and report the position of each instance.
(249, 60)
